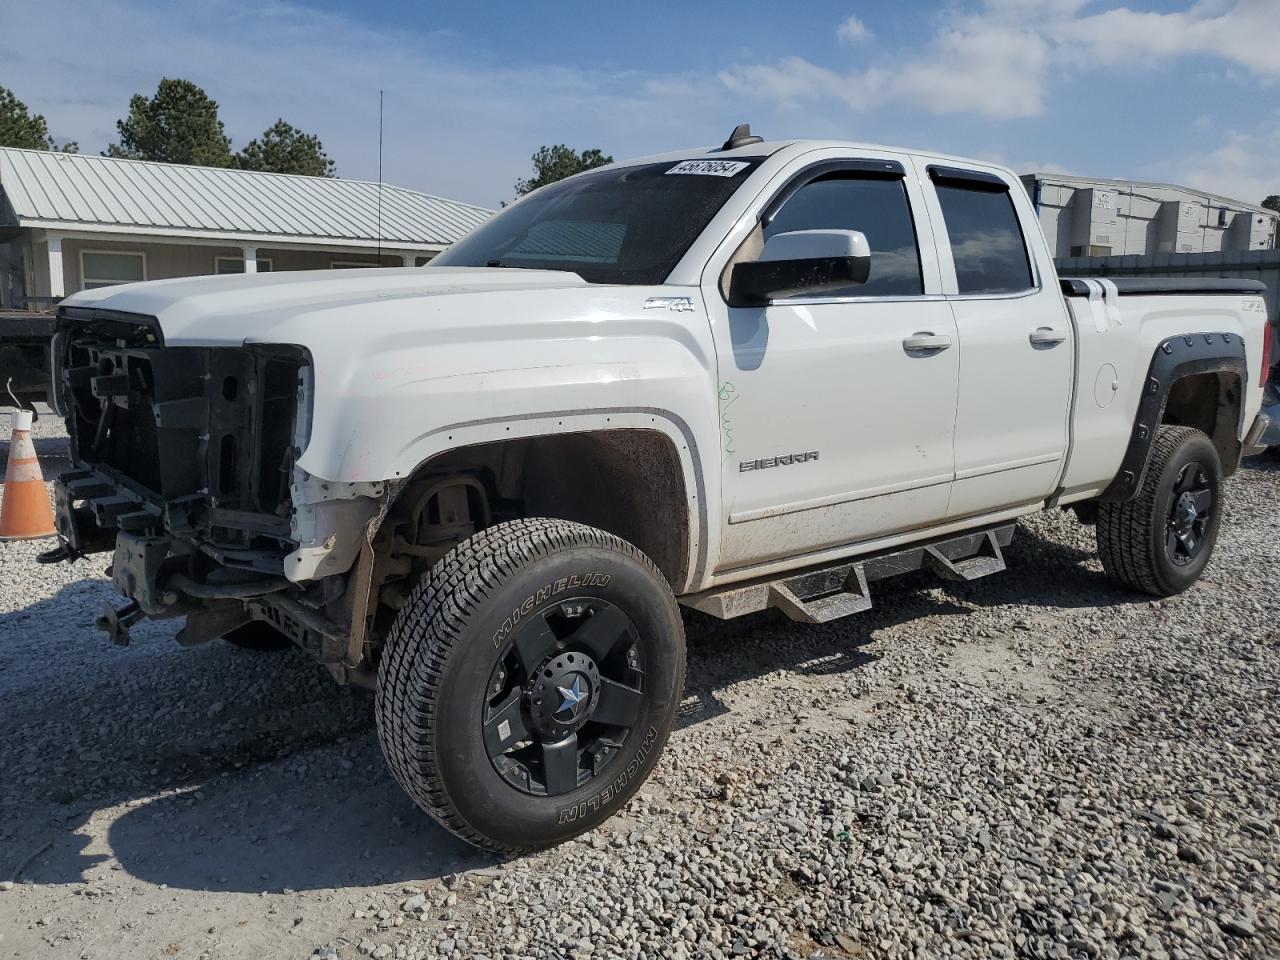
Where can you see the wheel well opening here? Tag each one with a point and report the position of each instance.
(1209, 402)
(626, 482)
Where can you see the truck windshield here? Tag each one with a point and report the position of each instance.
(627, 225)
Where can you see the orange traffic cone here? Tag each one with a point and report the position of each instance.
(25, 513)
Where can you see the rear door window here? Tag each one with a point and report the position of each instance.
(987, 245)
(876, 206)
(987, 241)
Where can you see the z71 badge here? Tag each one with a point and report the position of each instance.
(782, 460)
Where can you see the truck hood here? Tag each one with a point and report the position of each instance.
(407, 361)
(261, 308)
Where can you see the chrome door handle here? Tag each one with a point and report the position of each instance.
(1046, 336)
(925, 341)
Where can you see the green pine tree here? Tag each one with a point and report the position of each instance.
(179, 124)
(283, 148)
(19, 127)
(555, 163)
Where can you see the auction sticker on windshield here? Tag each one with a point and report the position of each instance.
(710, 168)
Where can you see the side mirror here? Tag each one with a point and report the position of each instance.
(801, 263)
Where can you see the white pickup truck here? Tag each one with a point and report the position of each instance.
(762, 375)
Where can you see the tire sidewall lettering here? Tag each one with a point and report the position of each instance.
(616, 786)
(541, 596)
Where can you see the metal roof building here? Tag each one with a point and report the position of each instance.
(70, 221)
(1114, 218)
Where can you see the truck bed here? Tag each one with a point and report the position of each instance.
(1136, 336)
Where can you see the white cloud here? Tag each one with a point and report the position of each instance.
(997, 72)
(852, 30)
(458, 123)
(795, 80)
(462, 123)
(994, 72)
(1242, 32)
(995, 59)
(1243, 166)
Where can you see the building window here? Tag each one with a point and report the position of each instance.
(350, 264)
(236, 265)
(102, 268)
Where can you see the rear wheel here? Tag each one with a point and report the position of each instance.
(258, 635)
(1161, 541)
(529, 683)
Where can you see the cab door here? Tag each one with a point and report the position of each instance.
(1016, 341)
(837, 412)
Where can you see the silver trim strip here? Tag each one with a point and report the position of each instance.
(1029, 292)
(812, 301)
(836, 499)
(1010, 465)
(915, 298)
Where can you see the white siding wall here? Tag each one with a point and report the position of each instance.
(167, 260)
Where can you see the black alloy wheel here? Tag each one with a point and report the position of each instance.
(565, 695)
(529, 682)
(1190, 512)
(1160, 541)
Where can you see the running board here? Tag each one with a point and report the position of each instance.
(824, 593)
(988, 560)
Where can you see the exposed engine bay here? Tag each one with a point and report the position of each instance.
(185, 466)
(194, 441)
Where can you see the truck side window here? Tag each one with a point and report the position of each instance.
(986, 240)
(876, 206)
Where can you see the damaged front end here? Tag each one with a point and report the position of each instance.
(184, 464)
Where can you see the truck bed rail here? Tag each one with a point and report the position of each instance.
(1166, 286)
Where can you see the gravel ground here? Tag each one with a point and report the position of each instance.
(1037, 764)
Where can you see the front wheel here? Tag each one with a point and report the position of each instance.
(1160, 541)
(529, 683)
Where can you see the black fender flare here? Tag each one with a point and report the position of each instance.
(1175, 358)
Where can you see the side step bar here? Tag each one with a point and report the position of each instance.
(825, 593)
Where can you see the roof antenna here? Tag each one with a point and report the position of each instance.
(379, 178)
(740, 137)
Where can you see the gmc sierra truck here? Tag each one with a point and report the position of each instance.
(764, 375)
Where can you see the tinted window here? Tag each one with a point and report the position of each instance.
(877, 207)
(986, 241)
(618, 225)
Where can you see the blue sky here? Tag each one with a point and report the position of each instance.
(1159, 90)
